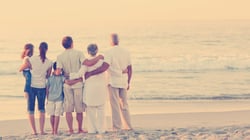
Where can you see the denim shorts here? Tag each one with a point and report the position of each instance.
(27, 76)
(40, 93)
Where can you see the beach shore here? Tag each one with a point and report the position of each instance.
(184, 126)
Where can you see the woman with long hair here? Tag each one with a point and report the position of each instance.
(41, 70)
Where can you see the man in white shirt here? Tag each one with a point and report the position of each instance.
(118, 63)
(70, 61)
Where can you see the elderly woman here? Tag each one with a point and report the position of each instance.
(94, 94)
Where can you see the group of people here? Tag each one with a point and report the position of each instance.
(78, 84)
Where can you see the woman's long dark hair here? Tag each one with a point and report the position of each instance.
(43, 49)
(29, 47)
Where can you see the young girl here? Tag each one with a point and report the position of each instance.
(26, 67)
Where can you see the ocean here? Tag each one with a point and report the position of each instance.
(181, 61)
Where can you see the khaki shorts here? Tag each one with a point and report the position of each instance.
(55, 108)
(73, 100)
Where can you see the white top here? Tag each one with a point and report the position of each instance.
(70, 61)
(95, 87)
(39, 71)
(119, 59)
(25, 59)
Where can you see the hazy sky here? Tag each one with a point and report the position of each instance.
(16, 14)
(121, 10)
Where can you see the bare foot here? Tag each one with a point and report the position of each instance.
(125, 71)
(82, 131)
(129, 129)
(71, 132)
(34, 134)
(43, 133)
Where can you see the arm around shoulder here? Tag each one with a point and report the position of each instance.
(93, 61)
(101, 69)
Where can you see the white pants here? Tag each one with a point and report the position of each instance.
(120, 108)
(96, 119)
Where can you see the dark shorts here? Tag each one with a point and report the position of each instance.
(40, 93)
(27, 76)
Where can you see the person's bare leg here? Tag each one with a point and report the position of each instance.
(42, 122)
(79, 118)
(32, 123)
(52, 122)
(69, 119)
(56, 124)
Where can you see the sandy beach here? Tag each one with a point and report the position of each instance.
(190, 59)
(227, 125)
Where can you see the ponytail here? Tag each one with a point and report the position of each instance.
(43, 49)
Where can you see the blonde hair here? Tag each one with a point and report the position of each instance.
(28, 47)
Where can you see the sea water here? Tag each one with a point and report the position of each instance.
(191, 61)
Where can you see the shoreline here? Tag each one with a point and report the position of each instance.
(15, 109)
(151, 119)
(215, 123)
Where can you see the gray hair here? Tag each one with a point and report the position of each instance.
(92, 49)
(115, 39)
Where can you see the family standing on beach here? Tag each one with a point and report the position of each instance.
(78, 84)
